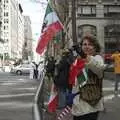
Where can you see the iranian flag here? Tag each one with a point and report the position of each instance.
(53, 100)
(51, 26)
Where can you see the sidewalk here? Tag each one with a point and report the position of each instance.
(112, 109)
(112, 102)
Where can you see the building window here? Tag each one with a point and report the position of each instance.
(5, 13)
(111, 10)
(112, 38)
(86, 30)
(5, 27)
(5, 20)
(86, 10)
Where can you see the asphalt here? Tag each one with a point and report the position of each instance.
(112, 102)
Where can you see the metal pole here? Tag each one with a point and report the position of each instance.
(74, 36)
(3, 55)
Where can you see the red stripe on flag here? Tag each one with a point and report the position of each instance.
(53, 101)
(47, 35)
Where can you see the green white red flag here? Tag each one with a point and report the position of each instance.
(53, 100)
(51, 26)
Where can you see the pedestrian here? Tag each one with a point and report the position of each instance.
(40, 70)
(36, 70)
(50, 67)
(87, 104)
(32, 70)
(116, 59)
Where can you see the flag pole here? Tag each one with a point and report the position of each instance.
(74, 35)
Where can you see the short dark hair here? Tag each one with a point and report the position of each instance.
(94, 42)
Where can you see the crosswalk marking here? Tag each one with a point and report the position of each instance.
(109, 89)
(16, 104)
(16, 95)
(110, 97)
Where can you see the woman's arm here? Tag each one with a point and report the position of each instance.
(96, 64)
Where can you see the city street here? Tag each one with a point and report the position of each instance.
(112, 103)
(16, 97)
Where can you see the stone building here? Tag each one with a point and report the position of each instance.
(100, 18)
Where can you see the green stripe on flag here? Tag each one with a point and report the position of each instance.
(57, 38)
(48, 10)
(83, 77)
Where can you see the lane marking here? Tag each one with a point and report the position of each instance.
(109, 89)
(110, 97)
(17, 95)
(16, 104)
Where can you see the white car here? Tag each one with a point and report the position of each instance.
(21, 69)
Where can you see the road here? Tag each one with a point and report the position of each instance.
(111, 102)
(16, 97)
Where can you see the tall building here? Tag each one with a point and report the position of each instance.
(27, 49)
(20, 42)
(12, 29)
(1, 40)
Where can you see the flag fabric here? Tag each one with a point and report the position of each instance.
(51, 26)
(57, 39)
(76, 69)
(83, 77)
(53, 100)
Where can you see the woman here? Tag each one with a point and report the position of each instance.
(89, 102)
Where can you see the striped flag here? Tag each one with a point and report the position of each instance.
(53, 100)
(51, 27)
(64, 113)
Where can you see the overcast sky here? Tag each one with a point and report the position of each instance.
(36, 10)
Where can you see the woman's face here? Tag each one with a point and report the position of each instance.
(88, 47)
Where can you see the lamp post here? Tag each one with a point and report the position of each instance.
(74, 35)
(3, 60)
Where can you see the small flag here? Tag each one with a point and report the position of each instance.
(53, 101)
(64, 113)
(76, 69)
(50, 28)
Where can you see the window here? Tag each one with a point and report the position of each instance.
(5, 20)
(5, 27)
(111, 10)
(86, 10)
(86, 30)
(5, 13)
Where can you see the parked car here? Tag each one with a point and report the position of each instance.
(21, 69)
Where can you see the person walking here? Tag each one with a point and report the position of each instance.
(32, 65)
(40, 70)
(116, 59)
(36, 71)
(87, 104)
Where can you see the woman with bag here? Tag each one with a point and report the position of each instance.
(89, 102)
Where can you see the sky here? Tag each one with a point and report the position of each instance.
(36, 10)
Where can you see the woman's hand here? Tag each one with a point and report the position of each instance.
(87, 58)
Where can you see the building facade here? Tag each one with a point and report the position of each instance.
(27, 49)
(100, 18)
(12, 29)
